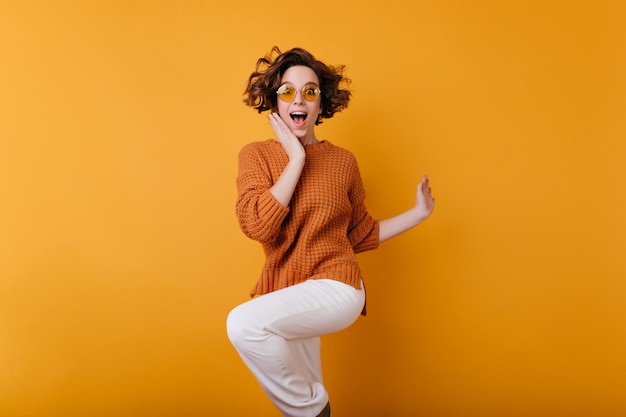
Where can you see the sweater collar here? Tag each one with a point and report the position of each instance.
(318, 147)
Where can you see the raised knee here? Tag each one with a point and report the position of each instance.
(235, 327)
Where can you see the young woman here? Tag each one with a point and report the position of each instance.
(303, 199)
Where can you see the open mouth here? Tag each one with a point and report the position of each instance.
(298, 117)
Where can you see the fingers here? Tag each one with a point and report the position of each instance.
(424, 185)
(277, 124)
(429, 191)
(424, 188)
(286, 137)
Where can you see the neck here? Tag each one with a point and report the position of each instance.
(309, 140)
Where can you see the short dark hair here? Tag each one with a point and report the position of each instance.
(260, 93)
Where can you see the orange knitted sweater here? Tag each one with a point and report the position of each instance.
(326, 222)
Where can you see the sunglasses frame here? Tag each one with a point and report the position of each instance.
(280, 92)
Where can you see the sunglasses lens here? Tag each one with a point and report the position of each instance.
(286, 93)
(310, 92)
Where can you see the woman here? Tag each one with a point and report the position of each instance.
(303, 199)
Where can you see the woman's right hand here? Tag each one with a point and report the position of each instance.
(285, 186)
(290, 143)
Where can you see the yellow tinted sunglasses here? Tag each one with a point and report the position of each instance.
(288, 93)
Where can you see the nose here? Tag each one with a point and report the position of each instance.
(298, 98)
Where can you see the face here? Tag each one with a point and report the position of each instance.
(300, 114)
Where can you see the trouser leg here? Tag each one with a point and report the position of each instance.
(309, 349)
(277, 336)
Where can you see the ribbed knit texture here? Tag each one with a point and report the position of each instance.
(326, 222)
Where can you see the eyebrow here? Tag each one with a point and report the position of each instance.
(305, 84)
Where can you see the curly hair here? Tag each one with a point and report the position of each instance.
(260, 93)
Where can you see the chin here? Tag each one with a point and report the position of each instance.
(300, 133)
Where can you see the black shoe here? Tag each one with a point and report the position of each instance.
(325, 412)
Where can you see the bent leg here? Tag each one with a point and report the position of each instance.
(277, 336)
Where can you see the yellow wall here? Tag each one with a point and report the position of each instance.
(120, 254)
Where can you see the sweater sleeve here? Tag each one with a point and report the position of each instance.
(260, 215)
(363, 231)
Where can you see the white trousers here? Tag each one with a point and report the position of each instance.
(278, 337)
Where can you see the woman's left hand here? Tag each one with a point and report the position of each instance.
(424, 200)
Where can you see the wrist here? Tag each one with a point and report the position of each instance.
(417, 215)
(296, 161)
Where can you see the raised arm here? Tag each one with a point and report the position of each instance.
(284, 187)
(424, 205)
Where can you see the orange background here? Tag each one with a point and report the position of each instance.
(120, 254)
